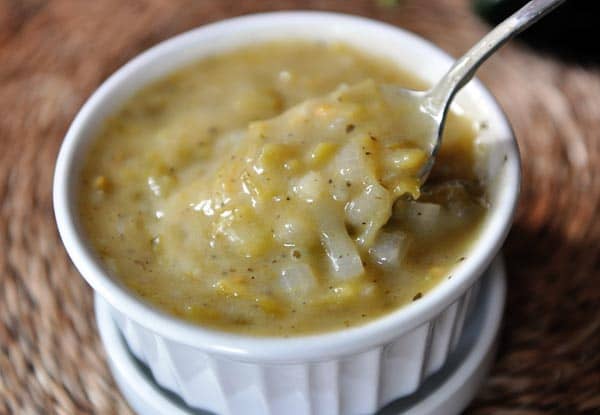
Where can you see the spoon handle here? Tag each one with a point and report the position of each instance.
(463, 69)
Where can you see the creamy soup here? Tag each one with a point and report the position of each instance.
(274, 190)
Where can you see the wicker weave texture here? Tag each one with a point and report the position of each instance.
(53, 54)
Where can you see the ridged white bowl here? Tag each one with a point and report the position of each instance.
(447, 392)
(359, 383)
(351, 371)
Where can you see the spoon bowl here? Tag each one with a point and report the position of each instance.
(431, 121)
(430, 107)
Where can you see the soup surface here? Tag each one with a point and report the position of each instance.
(273, 190)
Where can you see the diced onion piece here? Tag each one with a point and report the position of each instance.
(369, 212)
(297, 279)
(310, 186)
(350, 163)
(418, 215)
(343, 255)
(389, 248)
(345, 259)
(294, 230)
(339, 189)
(457, 198)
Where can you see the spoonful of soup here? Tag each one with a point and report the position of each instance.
(433, 104)
(334, 177)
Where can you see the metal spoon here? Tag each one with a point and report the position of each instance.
(434, 103)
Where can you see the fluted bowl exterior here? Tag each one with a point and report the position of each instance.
(359, 383)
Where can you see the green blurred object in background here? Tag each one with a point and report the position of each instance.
(571, 32)
(388, 3)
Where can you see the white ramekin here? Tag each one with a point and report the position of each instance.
(351, 371)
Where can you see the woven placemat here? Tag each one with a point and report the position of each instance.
(54, 53)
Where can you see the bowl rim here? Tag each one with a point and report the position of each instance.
(312, 347)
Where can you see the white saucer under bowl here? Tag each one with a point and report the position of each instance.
(446, 392)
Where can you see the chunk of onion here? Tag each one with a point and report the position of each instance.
(345, 260)
(310, 186)
(369, 211)
(422, 217)
(297, 278)
(389, 248)
(350, 162)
